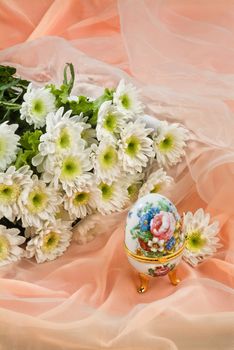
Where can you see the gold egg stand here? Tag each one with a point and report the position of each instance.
(145, 278)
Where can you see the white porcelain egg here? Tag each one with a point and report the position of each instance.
(154, 241)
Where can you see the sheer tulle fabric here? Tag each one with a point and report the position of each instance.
(180, 54)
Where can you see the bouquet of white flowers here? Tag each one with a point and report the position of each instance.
(64, 157)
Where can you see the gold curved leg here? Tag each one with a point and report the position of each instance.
(144, 283)
(173, 277)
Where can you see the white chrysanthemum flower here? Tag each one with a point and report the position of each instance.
(126, 98)
(39, 203)
(92, 225)
(8, 144)
(169, 142)
(89, 135)
(157, 182)
(49, 241)
(135, 147)
(13, 185)
(63, 134)
(107, 166)
(111, 197)
(38, 102)
(88, 228)
(110, 120)
(70, 170)
(82, 202)
(201, 236)
(9, 245)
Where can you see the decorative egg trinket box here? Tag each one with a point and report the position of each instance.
(154, 241)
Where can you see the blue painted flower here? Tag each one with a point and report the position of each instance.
(170, 244)
(153, 211)
(145, 222)
(146, 219)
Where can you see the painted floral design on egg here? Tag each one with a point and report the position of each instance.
(153, 228)
(154, 240)
(163, 225)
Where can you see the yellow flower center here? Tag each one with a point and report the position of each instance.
(133, 190)
(38, 108)
(71, 168)
(167, 144)
(81, 198)
(107, 191)
(9, 193)
(37, 201)
(126, 101)
(110, 122)
(64, 140)
(156, 188)
(195, 241)
(108, 158)
(133, 146)
(50, 242)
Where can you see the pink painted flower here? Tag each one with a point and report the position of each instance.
(163, 225)
(161, 271)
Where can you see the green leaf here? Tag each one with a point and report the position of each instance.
(145, 236)
(12, 90)
(31, 139)
(83, 105)
(163, 206)
(29, 142)
(61, 94)
(11, 83)
(107, 96)
(10, 105)
(153, 254)
(7, 70)
(69, 83)
(24, 158)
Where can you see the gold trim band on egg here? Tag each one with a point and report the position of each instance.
(161, 259)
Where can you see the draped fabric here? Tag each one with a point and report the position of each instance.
(181, 55)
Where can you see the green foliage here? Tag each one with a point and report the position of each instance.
(153, 254)
(145, 236)
(6, 72)
(12, 90)
(61, 94)
(134, 231)
(83, 104)
(90, 108)
(163, 206)
(107, 96)
(29, 142)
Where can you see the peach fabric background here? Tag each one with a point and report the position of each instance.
(181, 54)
